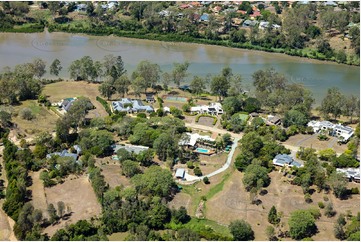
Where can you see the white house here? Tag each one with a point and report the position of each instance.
(338, 130)
(190, 139)
(180, 172)
(212, 109)
(350, 173)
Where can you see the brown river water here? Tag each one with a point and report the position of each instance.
(18, 48)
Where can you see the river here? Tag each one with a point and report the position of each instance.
(18, 48)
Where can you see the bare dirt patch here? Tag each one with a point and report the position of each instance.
(112, 173)
(308, 141)
(79, 196)
(38, 192)
(207, 121)
(181, 199)
(60, 90)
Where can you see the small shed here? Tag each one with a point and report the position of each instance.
(149, 97)
(180, 172)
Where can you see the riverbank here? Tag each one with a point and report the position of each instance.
(173, 37)
(177, 38)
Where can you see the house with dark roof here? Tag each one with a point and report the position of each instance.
(66, 153)
(131, 106)
(285, 160)
(66, 103)
(149, 97)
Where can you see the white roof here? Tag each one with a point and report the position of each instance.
(180, 172)
(193, 137)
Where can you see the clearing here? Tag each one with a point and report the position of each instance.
(60, 90)
(233, 202)
(78, 195)
(112, 172)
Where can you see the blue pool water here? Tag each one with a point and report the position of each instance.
(201, 150)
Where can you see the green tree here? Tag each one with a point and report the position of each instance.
(130, 168)
(302, 224)
(294, 117)
(122, 84)
(241, 230)
(107, 89)
(255, 176)
(220, 86)
(165, 146)
(155, 181)
(338, 184)
(55, 67)
(52, 213)
(61, 208)
(186, 234)
(138, 84)
(332, 103)
(149, 72)
(38, 66)
(232, 105)
(198, 85)
(273, 216)
(270, 232)
(179, 72)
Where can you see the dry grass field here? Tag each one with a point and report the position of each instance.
(308, 141)
(44, 119)
(77, 194)
(60, 90)
(112, 172)
(233, 202)
(39, 200)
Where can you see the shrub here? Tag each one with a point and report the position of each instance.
(105, 104)
(26, 114)
(206, 180)
(141, 115)
(355, 190)
(190, 165)
(321, 205)
(308, 198)
(197, 171)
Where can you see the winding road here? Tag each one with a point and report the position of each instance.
(190, 179)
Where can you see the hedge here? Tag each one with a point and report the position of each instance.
(105, 104)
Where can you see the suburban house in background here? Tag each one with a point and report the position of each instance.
(285, 160)
(149, 97)
(344, 133)
(212, 109)
(353, 174)
(131, 106)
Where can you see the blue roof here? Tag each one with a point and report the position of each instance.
(204, 17)
(284, 159)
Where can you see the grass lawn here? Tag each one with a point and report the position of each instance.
(120, 236)
(244, 117)
(44, 119)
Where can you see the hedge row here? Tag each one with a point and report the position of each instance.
(105, 104)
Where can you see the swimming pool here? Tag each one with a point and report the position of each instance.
(175, 98)
(201, 150)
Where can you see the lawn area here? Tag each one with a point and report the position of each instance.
(120, 236)
(244, 117)
(60, 90)
(44, 120)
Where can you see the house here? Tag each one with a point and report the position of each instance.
(136, 149)
(273, 120)
(330, 3)
(204, 17)
(343, 132)
(255, 15)
(65, 153)
(353, 174)
(149, 97)
(249, 23)
(236, 21)
(212, 109)
(180, 172)
(217, 9)
(263, 25)
(131, 106)
(166, 109)
(164, 13)
(285, 160)
(190, 139)
(185, 87)
(66, 103)
(241, 12)
(254, 115)
(184, 6)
